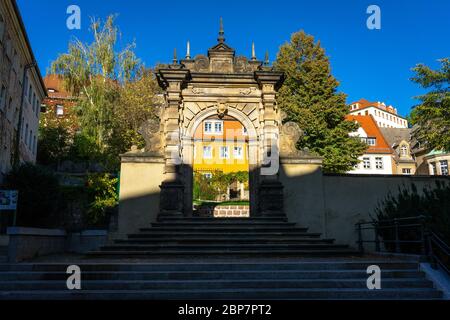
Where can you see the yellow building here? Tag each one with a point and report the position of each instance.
(220, 145)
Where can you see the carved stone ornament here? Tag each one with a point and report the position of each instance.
(241, 65)
(222, 109)
(247, 91)
(289, 136)
(198, 90)
(201, 64)
(150, 131)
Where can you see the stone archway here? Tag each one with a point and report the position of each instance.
(187, 151)
(219, 83)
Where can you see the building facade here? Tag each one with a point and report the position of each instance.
(400, 141)
(59, 105)
(437, 163)
(384, 116)
(378, 158)
(21, 91)
(220, 145)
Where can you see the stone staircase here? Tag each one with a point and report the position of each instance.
(204, 236)
(256, 280)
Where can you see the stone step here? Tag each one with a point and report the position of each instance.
(207, 219)
(224, 240)
(226, 294)
(231, 229)
(13, 276)
(225, 246)
(209, 235)
(272, 253)
(227, 224)
(217, 284)
(213, 266)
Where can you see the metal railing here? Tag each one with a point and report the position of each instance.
(409, 234)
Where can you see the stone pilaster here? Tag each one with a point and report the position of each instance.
(270, 188)
(172, 188)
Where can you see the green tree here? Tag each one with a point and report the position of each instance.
(432, 115)
(116, 94)
(309, 97)
(53, 144)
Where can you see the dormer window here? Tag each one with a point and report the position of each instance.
(403, 151)
(370, 141)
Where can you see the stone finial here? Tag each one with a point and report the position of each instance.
(175, 59)
(253, 52)
(221, 38)
(266, 59)
(188, 51)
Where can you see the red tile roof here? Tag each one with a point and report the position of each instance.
(55, 82)
(363, 103)
(369, 125)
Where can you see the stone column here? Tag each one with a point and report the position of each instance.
(172, 188)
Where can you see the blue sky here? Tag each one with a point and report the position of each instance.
(371, 64)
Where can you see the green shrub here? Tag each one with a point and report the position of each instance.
(39, 196)
(101, 189)
(433, 203)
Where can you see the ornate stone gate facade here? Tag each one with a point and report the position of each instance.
(220, 83)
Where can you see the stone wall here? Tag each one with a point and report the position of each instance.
(333, 204)
(232, 212)
(140, 178)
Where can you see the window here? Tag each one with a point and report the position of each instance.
(237, 153)
(403, 151)
(444, 167)
(433, 170)
(379, 163)
(26, 134)
(2, 97)
(224, 154)
(218, 127)
(30, 93)
(59, 110)
(207, 152)
(34, 102)
(208, 127)
(366, 163)
(371, 141)
(406, 171)
(30, 139)
(211, 127)
(38, 108)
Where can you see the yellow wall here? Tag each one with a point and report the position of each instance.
(216, 163)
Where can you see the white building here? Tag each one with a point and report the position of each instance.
(378, 159)
(384, 116)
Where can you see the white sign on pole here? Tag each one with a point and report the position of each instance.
(8, 199)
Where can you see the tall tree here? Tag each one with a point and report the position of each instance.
(309, 97)
(432, 115)
(94, 73)
(115, 92)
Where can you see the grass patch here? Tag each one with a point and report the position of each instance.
(223, 203)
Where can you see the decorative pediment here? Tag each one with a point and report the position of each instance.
(221, 47)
